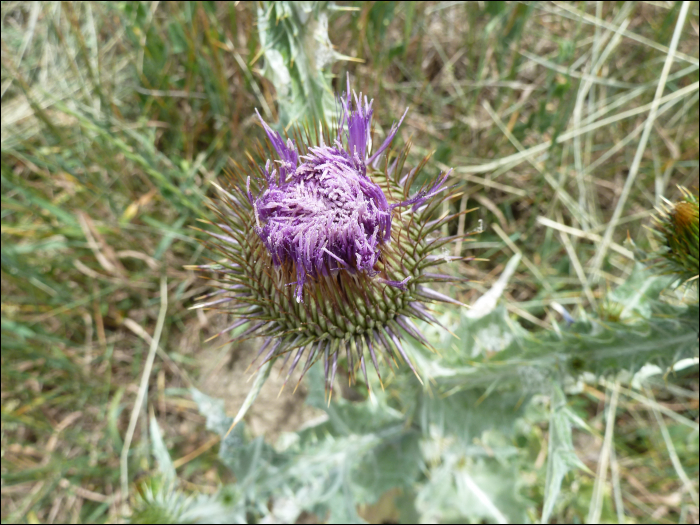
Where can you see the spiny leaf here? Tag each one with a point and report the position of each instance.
(160, 452)
(561, 457)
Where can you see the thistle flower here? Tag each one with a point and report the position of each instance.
(324, 254)
(677, 229)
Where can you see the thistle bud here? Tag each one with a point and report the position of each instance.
(324, 255)
(677, 229)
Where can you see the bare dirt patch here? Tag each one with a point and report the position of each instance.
(226, 374)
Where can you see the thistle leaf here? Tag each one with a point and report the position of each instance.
(298, 57)
(465, 486)
(561, 457)
(639, 292)
(328, 468)
(160, 452)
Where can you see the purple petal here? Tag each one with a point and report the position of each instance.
(286, 151)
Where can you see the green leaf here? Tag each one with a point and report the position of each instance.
(361, 451)
(639, 291)
(464, 489)
(213, 410)
(298, 58)
(468, 413)
(561, 457)
(248, 459)
(394, 463)
(160, 452)
(161, 502)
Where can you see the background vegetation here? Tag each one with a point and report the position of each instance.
(116, 118)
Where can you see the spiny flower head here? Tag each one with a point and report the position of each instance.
(677, 228)
(324, 253)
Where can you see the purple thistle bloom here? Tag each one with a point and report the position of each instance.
(326, 214)
(318, 256)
